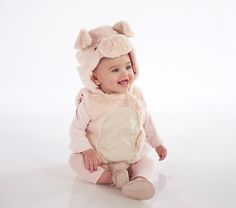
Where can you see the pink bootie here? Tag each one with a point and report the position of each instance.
(138, 189)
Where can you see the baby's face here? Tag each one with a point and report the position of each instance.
(114, 75)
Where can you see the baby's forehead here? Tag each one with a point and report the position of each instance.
(108, 63)
(115, 61)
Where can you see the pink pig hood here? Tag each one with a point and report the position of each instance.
(103, 41)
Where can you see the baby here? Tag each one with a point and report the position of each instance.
(112, 131)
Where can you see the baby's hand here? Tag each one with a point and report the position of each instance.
(91, 159)
(161, 151)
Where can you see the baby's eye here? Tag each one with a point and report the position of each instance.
(115, 70)
(128, 67)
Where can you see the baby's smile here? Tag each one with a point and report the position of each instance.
(124, 82)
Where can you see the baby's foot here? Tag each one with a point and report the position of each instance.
(139, 188)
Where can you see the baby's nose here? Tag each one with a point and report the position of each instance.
(124, 72)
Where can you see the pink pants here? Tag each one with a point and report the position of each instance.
(144, 167)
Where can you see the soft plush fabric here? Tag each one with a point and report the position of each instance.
(97, 125)
(103, 41)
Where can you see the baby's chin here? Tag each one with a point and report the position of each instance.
(123, 88)
(118, 89)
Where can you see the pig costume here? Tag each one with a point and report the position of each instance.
(116, 125)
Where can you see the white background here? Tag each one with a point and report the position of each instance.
(186, 52)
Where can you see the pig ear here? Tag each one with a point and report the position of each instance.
(83, 40)
(123, 28)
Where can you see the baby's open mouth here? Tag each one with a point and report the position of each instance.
(124, 82)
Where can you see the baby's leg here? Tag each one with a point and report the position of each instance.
(100, 176)
(140, 186)
(144, 168)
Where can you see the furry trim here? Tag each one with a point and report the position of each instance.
(103, 41)
(83, 40)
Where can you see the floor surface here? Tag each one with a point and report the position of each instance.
(199, 171)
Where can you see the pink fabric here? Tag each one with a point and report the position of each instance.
(104, 41)
(85, 129)
(145, 168)
(150, 131)
(77, 164)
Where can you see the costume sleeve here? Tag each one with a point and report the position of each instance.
(150, 131)
(78, 140)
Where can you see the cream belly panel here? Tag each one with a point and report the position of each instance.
(119, 135)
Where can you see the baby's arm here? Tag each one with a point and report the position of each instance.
(153, 138)
(150, 129)
(79, 142)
